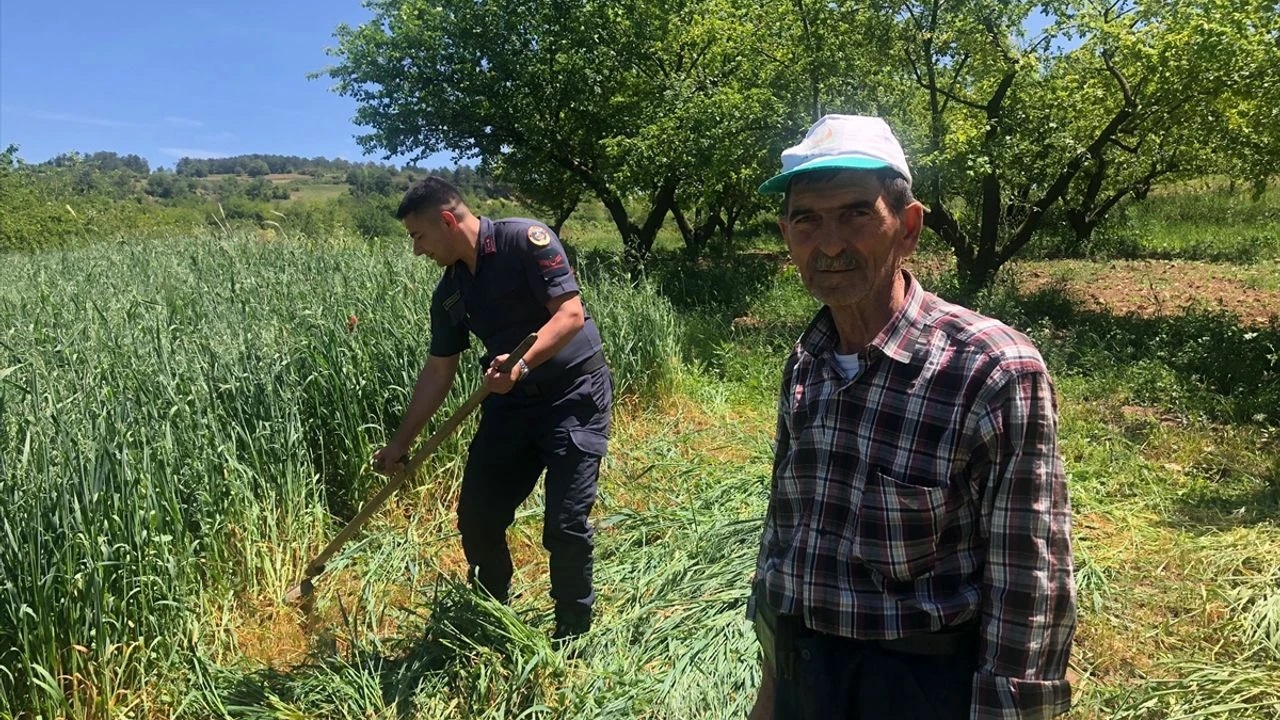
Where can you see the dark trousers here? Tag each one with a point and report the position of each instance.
(830, 677)
(564, 432)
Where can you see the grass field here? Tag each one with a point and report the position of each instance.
(316, 191)
(183, 423)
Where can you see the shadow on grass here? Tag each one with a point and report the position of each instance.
(726, 285)
(1229, 499)
(1199, 362)
(444, 659)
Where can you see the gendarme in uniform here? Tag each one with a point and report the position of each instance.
(556, 418)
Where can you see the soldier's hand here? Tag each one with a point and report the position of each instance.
(498, 382)
(390, 459)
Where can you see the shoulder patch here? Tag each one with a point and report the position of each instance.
(452, 300)
(551, 263)
(539, 236)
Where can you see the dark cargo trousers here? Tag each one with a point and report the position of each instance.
(563, 430)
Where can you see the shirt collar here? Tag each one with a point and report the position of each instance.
(486, 231)
(897, 340)
(459, 268)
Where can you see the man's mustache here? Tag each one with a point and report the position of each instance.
(844, 261)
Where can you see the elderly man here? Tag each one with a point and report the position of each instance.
(916, 554)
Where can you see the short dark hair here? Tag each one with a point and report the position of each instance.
(429, 192)
(895, 188)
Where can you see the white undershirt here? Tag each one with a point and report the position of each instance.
(849, 365)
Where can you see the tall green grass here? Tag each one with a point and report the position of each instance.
(1203, 220)
(180, 420)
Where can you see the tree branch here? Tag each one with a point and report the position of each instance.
(949, 95)
(1059, 186)
(1120, 79)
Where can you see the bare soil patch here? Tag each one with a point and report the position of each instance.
(1161, 287)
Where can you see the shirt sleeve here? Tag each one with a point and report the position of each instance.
(1028, 604)
(449, 333)
(546, 264)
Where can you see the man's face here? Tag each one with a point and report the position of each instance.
(843, 237)
(430, 237)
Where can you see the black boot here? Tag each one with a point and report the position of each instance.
(501, 593)
(571, 623)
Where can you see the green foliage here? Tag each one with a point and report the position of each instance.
(579, 98)
(102, 162)
(167, 186)
(256, 168)
(261, 164)
(366, 181)
(69, 203)
(684, 109)
(51, 206)
(1007, 127)
(177, 418)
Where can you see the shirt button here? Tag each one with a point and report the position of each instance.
(806, 655)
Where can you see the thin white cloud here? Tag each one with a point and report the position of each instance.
(81, 119)
(193, 153)
(183, 122)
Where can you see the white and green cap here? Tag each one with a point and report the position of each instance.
(841, 142)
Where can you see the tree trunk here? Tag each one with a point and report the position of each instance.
(563, 213)
(627, 229)
(694, 242)
(1258, 190)
(1081, 224)
(730, 222)
(975, 266)
(697, 235)
(663, 199)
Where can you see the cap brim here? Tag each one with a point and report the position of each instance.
(778, 183)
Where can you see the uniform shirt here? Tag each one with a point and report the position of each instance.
(925, 492)
(520, 267)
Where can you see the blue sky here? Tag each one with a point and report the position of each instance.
(168, 79)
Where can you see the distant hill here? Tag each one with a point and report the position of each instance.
(261, 164)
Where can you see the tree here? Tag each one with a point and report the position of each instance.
(552, 191)
(261, 188)
(587, 95)
(1007, 124)
(257, 168)
(162, 185)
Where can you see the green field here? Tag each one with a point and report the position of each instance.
(183, 423)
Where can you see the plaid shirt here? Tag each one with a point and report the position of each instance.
(925, 492)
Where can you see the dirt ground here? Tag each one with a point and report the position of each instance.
(1149, 287)
(1162, 287)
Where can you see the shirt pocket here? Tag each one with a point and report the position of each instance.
(897, 527)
